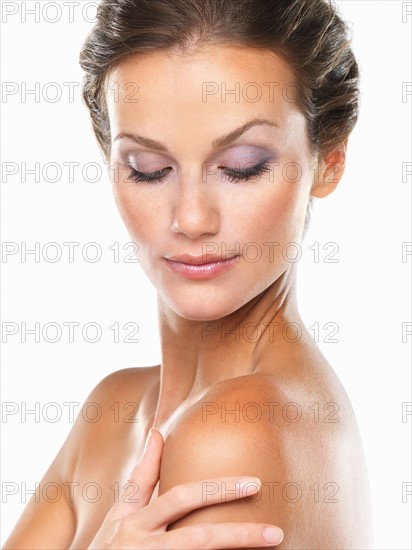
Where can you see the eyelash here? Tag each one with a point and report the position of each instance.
(151, 177)
(233, 174)
(236, 175)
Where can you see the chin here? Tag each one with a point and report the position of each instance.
(203, 309)
(203, 312)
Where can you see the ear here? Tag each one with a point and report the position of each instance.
(329, 171)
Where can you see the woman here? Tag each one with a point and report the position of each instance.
(219, 122)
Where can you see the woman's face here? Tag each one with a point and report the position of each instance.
(184, 106)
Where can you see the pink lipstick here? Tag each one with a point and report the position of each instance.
(205, 266)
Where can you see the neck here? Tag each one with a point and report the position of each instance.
(198, 354)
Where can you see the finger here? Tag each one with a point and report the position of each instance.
(147, 472)
(139, 488)
(223, 535)
(182, 499)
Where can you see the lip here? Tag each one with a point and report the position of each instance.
(205, 266)
(201, 259)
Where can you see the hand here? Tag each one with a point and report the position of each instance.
(140, 525)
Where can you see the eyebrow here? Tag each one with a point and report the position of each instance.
(217, 143)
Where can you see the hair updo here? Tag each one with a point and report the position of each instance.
(309, 35)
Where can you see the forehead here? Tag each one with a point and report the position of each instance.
(213, 88)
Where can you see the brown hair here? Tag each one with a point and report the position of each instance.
(309, 34)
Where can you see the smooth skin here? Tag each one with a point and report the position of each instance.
(125, 528)
(228, 353)
(129, 518)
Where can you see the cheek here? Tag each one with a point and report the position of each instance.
(272, 216)
(139, 212)
(268, 241)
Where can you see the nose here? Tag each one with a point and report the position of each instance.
(195, 211)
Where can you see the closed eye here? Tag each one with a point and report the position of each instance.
(150, 177)
(236, 174)
(232, 174)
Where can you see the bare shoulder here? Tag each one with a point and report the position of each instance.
(308, 458)
(125, 381)
(117, 388)
(261, 411)
(124, 384)
(110, 410)
(87, 452)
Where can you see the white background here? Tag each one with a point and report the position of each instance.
(366, 293)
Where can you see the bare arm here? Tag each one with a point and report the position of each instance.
(126, 523)
(45, 524)
(311, 487)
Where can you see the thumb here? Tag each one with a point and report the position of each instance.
(140, 485)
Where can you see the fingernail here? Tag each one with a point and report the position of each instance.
(249, 482)
(272, 534)
(148, 440)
